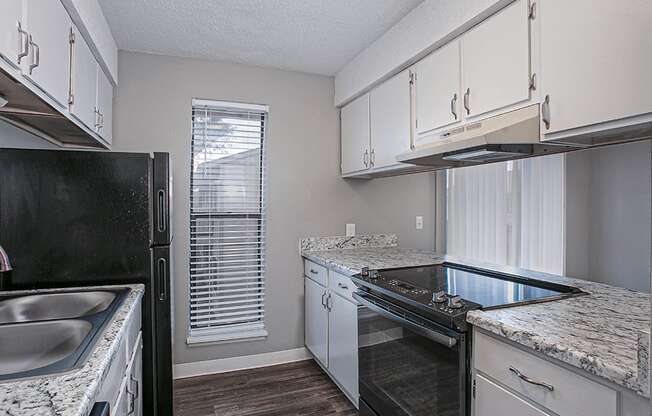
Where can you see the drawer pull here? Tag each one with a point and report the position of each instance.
(342, 286)
(313, 271)
(527, 379)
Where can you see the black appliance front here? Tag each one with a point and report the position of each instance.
(409, 366)
(74, 218)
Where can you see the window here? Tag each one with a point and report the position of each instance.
(227, 222)
(508, 213)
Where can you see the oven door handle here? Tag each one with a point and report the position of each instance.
(416, 328)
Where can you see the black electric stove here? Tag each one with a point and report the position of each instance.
(413, 341)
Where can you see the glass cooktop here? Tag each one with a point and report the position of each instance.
(486, 290)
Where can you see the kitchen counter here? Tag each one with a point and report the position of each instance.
(72, 393)
(605, 333)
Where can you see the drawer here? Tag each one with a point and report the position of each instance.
(572, 393)
(493, 400)
(316, 272)
(341, 285)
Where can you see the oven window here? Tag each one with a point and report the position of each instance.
(403, 373)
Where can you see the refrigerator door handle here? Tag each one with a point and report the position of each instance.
(162, 279)
(162, 211)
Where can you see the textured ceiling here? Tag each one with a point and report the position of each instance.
(315, 36)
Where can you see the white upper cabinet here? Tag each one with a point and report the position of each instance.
(437, 89)
(390, 120)
(104, 106)
(355, 135)
(83, 82)
(48, 63)
(596, 62)
(496, 61)
(13, 38)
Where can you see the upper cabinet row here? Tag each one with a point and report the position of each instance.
(553, 53)
(43, 47)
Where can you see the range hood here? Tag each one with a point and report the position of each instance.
(513, 135)
(24, 109)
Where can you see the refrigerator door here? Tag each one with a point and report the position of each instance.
(161, 198)
(163, 328)
(69, 217)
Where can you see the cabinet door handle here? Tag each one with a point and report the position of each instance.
(372, 158)
(454, 106)
(365, 157)
(467, 106)
(97, 117)
(313, 271)
(36, 57)
(323, 302)
(342, 286)
(527, 379)
(23, 44)
(545, 112)
(329, 303)
(135, 380)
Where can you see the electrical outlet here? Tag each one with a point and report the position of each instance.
(350, 230)
(419, 222)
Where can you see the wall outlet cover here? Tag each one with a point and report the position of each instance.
(350, 230)
(419, 222)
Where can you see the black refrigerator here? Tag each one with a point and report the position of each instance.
(87, 218)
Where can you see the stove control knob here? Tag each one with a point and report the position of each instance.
(455, 302)
(439, 297)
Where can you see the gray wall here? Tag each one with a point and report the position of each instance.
(608, 215)
(305, 195)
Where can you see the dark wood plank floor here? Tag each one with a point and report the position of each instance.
(299, 388)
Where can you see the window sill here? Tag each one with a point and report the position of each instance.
(226, 337)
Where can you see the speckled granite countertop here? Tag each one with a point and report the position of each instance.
(72, 393)
(605, 333)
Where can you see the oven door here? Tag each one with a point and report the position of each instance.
(408, 365)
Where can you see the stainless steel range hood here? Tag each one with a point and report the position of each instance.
(513, 135)
(26, 110)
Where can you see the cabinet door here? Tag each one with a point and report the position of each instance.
(355, 135)
(595, 61)
(437, 89)
(343, 343)
(84, 82)
(496, 61)
(12, 40)
(104, 106)
(390, 120)
(48, 63)
(316, 326)
(492, 400)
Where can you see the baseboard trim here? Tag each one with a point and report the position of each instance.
(224, 365)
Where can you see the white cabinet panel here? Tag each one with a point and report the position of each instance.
(135, 391)
(12, 41)
(343, 343)
(595, 61)
(104, 106)
(390, 120)
(492, 400)
(496, 61)
(84, 82)
(316, 325)
(48, 63)
(355, 135)
(437, 89)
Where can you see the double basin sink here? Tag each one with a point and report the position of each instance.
(47, 333)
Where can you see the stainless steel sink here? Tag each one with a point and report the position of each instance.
(28, 346)
(40, 307)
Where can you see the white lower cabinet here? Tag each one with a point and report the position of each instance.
(493, 400)
(508, 380)
(343, 343)
(331, 328)
(316, 333)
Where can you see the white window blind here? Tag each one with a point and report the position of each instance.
(508, 213)
(227, 222)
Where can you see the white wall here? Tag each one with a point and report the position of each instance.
(609, 215)
(306, 196)
(424, 29)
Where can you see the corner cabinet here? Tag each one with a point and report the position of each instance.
(331, 325)
(595, 64)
